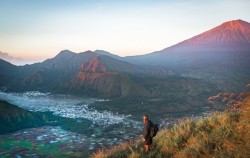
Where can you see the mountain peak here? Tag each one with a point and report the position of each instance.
(233, 22)
(236, 25)
(65, 53)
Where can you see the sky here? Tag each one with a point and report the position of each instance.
(39, 29)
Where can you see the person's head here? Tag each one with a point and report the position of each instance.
(145, 118)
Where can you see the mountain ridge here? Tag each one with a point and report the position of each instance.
(68, 72)
(95, 71)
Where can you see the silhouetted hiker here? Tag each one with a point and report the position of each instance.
(148, 140)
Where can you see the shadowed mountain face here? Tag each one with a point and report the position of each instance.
(7, 72)
(107, 77)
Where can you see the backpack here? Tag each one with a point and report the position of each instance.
(153, 129)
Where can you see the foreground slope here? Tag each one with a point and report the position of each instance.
(224, 134)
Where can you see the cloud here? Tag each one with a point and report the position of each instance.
(6, 56)
(13, 60)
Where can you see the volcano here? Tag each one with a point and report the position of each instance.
(229, 35)
(225, 45)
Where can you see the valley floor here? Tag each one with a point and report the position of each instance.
(46, 141)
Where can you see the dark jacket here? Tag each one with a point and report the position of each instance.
(146, 133)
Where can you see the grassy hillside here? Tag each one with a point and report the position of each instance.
(13, 118)
(222, 134)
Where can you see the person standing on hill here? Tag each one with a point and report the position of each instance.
(148, 140)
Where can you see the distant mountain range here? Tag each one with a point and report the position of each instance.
(220, 56)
